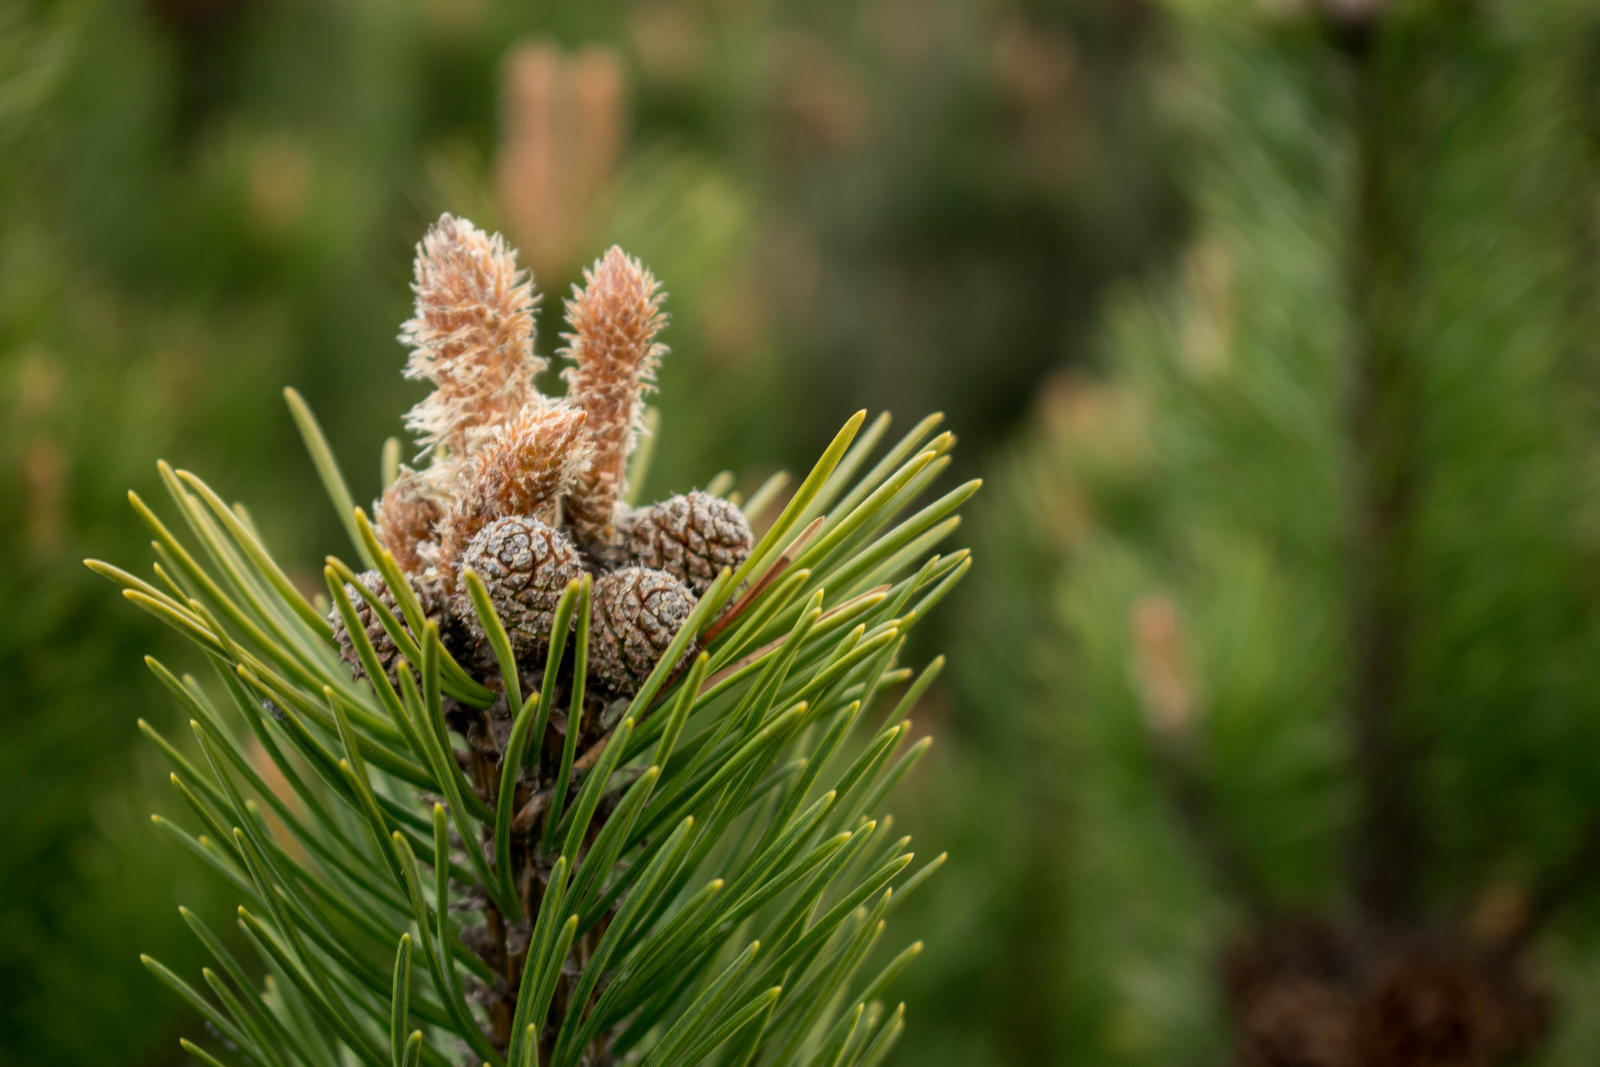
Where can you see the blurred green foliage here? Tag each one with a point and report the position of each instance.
(909, 204)
(897, 204)
(1214, 476)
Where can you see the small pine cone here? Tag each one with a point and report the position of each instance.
(690, 537)
(388, 652)
(1449, 1006)
(525, 566)
(637, 613)
(1298, 1023)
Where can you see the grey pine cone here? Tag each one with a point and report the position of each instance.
(691, 537)
(637, 613)
(525, 566)
(388, 652)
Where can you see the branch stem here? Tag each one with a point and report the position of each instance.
(1388, 846)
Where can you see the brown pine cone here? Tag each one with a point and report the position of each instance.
(388, 652)
(1450, 1006)
(690, 537)
(525, 566)
(1297, 1023)
(637, 613)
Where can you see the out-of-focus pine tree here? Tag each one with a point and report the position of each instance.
(1289, 701)
(207, 198)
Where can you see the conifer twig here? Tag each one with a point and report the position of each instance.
(564, 925)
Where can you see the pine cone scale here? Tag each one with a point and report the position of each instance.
(691, 537)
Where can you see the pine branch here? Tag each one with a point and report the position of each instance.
(601, 843)
(1388, 852)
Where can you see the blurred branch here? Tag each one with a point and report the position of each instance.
(1388, 849)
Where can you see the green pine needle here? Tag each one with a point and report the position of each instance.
(711, 875)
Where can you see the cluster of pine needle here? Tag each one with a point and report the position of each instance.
(552, 777)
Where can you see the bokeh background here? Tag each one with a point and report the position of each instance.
(1270, 323)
